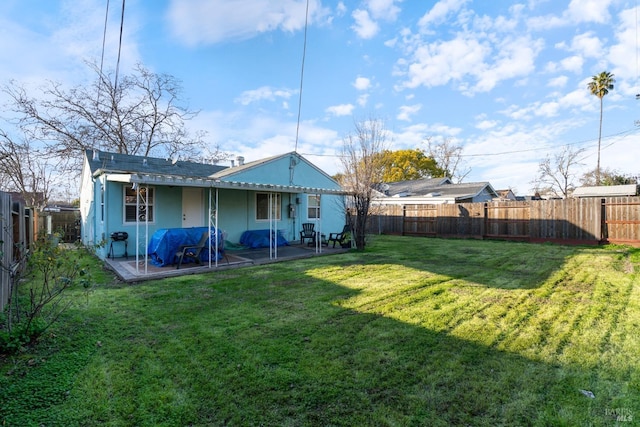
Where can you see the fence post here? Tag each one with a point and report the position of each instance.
(404, 216)
(485, 222)
(604, 235)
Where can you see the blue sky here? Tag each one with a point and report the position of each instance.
(506, 80)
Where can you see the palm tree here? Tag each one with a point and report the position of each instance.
(600, 85)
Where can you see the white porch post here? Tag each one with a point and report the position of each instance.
(213, 216)
(145, 199)
(318, 221)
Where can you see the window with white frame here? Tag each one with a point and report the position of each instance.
(262, 206)
(313, 206)
(138, 203)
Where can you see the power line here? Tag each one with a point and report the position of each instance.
(503, 153)
(304, 54)
(115, 84)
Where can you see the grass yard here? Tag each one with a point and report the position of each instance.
(412, 332)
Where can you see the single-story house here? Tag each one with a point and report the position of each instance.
(607, 191)
(138, 196)
(433, 191)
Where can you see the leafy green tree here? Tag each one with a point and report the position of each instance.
(600, 85)
(607, 177)
(410, 164)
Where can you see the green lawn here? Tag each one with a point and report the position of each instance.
(411, 332)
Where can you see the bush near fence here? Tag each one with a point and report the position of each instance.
(570, 221)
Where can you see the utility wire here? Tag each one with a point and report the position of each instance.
(304, 53)
(115, 83)
(503, 153)
(104, 39)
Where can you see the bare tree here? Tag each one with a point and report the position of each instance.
(215, 155)
(448, 157)
(139, 114)
(27, 171)
(362, 172)
(556, 175)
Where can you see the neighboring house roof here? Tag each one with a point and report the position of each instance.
(438, 190)
(607, 191)
(417, 187)
(506, 194)
(150, 170)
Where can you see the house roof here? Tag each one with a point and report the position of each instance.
(438, 188)
(606, 191)
(150, 170)
(104, 162)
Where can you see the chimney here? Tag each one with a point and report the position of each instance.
(96, 155)
(232, 163)
(240, 160)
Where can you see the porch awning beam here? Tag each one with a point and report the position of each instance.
(149, 179)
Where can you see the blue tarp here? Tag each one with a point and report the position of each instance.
(165, 242)
(260, 239)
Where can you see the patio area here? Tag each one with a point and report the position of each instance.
(128, 270)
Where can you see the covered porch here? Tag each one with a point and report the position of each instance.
(131, 270)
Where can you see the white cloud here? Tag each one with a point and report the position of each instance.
(363, 99)
(578, 11)
(587, 45)
(589, 11)
(362, 83)
(383, 9)
(572, 63)
(486, 124)
(406, 111)
(438, 63)
(440, 11)
(547, 109)
(559, 81)
(263, 93)
(364, 26)
(340, 110)
(469, 61)
(213, 21)
(515, 58)
(626, 47)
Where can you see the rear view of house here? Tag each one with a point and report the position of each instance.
(139, 195)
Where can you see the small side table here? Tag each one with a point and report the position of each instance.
(323, 240)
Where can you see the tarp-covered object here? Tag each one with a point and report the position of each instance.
(165, 242)
(260, 239)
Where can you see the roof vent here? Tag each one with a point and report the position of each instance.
(96, 155)
(144, 162)
(240, 160)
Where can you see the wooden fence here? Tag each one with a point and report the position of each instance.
(16, 235)
(571, 221)
(6, 247)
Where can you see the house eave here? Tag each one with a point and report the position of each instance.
(177, 181)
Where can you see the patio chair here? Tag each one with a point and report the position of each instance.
(192, 251)
(340, 237)
(307, 232)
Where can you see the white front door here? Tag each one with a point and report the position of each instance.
(192, 207)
